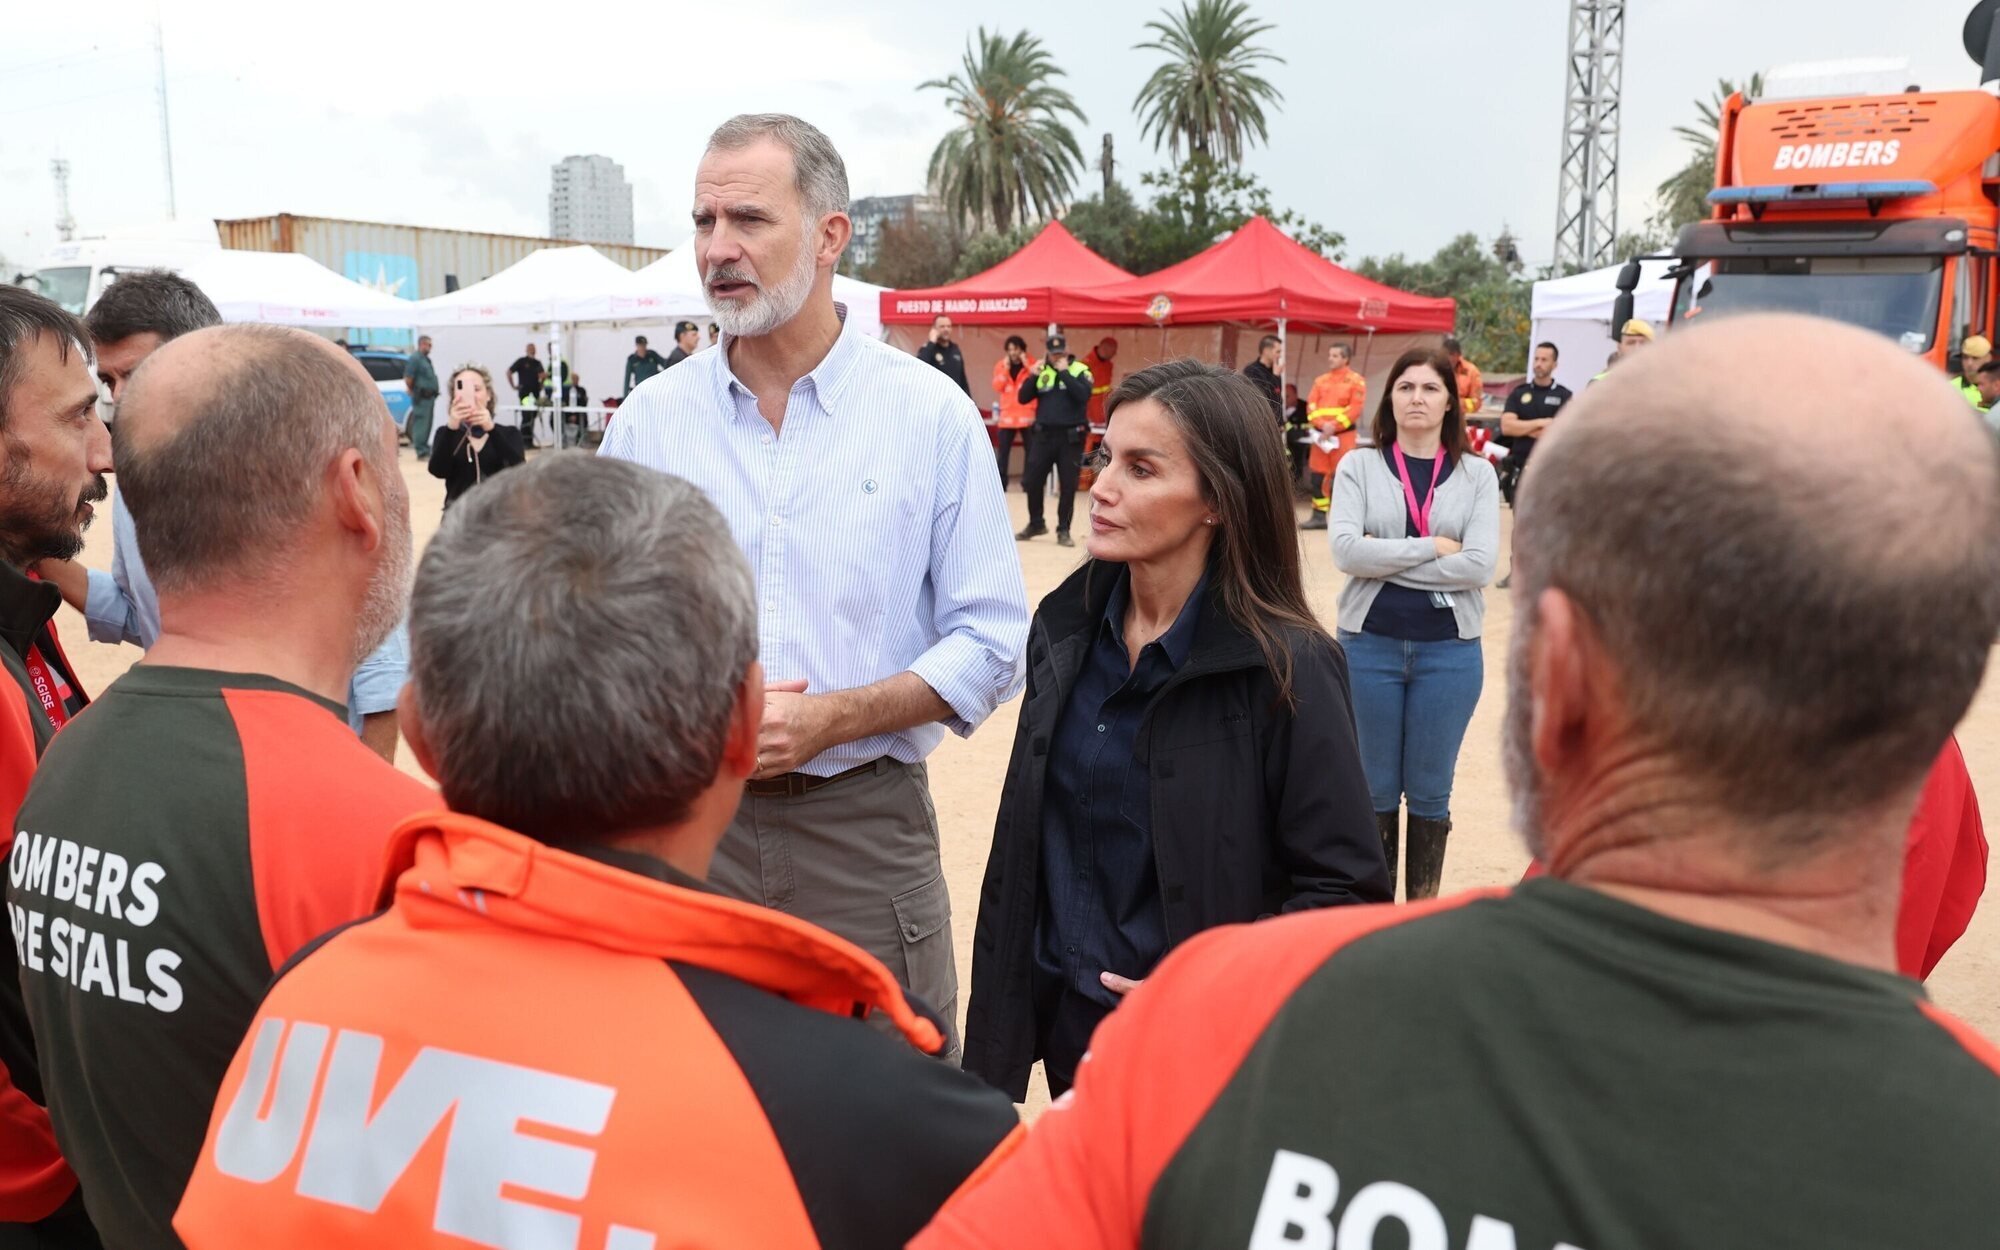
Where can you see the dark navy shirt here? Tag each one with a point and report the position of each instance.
(1100, 899)
(1401, 611)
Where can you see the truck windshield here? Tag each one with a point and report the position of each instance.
(68, 287)
(1895, 296)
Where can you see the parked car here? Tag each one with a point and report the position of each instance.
(387, 368)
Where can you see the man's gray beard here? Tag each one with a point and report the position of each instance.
(388, 598)
(770, 307)
(1524, 781)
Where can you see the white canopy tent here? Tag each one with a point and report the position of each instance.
(671, 287)
(559, 288)
(1574, 313)
(286, 288)
(555, 285)
(580, 306)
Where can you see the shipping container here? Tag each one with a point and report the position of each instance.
(410, 262)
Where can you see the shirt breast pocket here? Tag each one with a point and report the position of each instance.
(874, 550)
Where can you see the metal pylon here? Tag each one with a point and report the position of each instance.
(1587, 189)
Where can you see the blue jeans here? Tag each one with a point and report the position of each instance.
(1412, 702)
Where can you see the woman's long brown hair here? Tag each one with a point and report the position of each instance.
(1239, 451)
(1452, 437)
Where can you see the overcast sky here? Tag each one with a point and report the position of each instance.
(1402, 123)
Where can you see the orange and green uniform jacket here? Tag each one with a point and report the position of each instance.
(533, 1046)
(34, 1180)
(1015, 413)
(184, 836)
(1549, 1066)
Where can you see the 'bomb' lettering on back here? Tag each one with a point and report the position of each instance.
(1301, 1193)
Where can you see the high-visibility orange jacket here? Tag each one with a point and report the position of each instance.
(1100, 384)
(34, 1179)
(537, 1047)
(1014, 415)
(1471, 386)
(1337, 403)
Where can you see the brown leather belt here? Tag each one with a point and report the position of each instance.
(792, 785)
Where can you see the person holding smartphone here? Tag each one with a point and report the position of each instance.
(471, 448)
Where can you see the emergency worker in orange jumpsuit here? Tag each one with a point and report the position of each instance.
(1471, 383)
(1335, 406)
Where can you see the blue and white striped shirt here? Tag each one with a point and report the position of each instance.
(873, 522)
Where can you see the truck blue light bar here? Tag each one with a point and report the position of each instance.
(1892, 190)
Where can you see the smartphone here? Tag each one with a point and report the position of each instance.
(463, 384)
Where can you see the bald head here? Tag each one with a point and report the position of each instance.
(1794, 578)
(224, 441)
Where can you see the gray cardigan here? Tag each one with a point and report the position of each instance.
(1369, 519)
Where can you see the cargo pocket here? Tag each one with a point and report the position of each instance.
(923, 922)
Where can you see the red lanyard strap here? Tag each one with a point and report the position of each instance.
(49, 688)
(1420, 513)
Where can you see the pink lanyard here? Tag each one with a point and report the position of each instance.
(1422, 514)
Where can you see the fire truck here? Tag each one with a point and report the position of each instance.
(1879, 210)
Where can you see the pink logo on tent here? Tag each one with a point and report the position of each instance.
(1161, 308)
(1371, 308)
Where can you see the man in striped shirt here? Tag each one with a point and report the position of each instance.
(858, 481)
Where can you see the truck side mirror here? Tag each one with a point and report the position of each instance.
(1621, 311)
(1628, 277)
(1982, 39)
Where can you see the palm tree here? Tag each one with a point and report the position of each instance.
(1207, 97)
(1684, 196)
(1010, 153)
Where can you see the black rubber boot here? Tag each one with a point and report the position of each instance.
(1385, 824)
(1426, 859)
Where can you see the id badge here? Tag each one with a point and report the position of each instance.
(1439, 599)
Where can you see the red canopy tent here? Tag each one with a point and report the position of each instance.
(1258, 274)
(1019, 291)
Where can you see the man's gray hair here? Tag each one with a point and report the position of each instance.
(817, 170)
(579, 633)
(224, 494)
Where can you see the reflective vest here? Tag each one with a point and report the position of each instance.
(1970, 392)
(1014, 415)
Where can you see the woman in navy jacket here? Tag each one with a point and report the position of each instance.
(1186, 753)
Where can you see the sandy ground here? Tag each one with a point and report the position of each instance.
(966, 774)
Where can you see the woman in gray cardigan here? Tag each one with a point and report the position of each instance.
(1415, 525)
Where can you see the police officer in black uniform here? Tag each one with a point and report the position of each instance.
(1061, 391)
(1531, 408)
